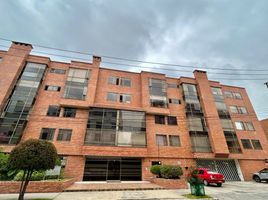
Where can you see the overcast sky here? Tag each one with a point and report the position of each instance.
(200, 33)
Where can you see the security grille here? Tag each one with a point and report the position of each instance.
(225, 167)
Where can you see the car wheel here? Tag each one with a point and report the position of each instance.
(206, 183)
(257, 179)
(219, 184)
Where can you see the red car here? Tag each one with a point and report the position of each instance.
(210, 177)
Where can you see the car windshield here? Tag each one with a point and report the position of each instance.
(211, 172)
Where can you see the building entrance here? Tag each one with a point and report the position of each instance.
(110, 168)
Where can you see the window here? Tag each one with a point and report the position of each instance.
(174, 141)
(237, 95)
(156, 163)
(196, 124)
(119, 81)
(189, 90)
(111, 96)
(125, 98)
(232, 95)
(172, 120)
(14, 116)
(64, 135)
(172, 85)
(175, 101)
(228, 94)
(113, 80)
(246, 143)
(47, 133)
(57, 71)
(200, 141)
(242, 110)
(234, 109)
(244, 126)
(232, 142)
(52, 88)
(110, 127)
(256, 144)
(125, 82)
(249, 126)
(239, 125)
(226, 124)
(216, 91)
(159, 119)
(69, 112)
(158, 96)
(238, 110)
(161, 140)
(53, 111)
(76, 84)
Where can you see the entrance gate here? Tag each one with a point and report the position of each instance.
(106, 169)
(225, 167)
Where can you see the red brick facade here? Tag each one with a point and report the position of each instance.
(76, 151)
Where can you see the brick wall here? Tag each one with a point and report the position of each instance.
(248, 167)
(171, 183)
(35, 186)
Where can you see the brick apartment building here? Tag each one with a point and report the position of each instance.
(113, 125)
(264, 124)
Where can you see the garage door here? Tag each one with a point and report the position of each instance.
(225, 167)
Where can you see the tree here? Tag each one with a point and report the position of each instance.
(29, 156)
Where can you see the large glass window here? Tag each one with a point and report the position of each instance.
(189, 90)
(196, 124)
(200, 141)
(217, 93)
(76, 84)
(116, 128)
(227, 125)
(158, 97)
(161, 140)
(232, 142)
(14, 117)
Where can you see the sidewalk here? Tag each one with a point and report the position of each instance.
(105, 195)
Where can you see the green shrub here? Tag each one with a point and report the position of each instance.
(36, 176)
(5, 172)
(155, 169)
(171, 171)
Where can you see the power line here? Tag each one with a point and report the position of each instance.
(155, 68)
(139, 61)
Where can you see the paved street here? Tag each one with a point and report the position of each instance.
(229, 191)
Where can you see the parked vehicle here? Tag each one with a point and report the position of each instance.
(261, 175)
(210, 177)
